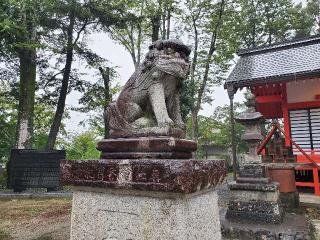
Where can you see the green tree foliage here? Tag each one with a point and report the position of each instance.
(41, 39)
(312, 12)
(8, 120)
(216, 129)
(205, 21)
(82, 146)
(20, 38)
(260, 22)
(97, 95)
(222, 115)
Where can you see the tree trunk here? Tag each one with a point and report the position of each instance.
(164, 21)
(139, 39)
(196, 107)
(107, 96)
(155, 22)
(168, 22)
(64, 88)
(195, 125)
(27, 68)
(192, 76)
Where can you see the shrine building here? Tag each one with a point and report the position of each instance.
(285, 80)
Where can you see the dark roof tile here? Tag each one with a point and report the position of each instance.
(283, 61)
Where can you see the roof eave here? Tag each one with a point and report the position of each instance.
(272, 79)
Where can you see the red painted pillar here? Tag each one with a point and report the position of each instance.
(316, 181)
(285, 113)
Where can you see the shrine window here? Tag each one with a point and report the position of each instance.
(305, 129)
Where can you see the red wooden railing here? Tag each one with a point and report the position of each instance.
(275, 126)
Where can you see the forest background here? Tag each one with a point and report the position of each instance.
(48, 59)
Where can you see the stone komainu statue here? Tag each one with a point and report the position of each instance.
(149, 102)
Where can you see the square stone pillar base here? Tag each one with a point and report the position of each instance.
(133, 214)
(144, 199)
(253, 197)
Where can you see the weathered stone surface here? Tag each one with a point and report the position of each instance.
(147, 144)
(255, 206)
(149, 131)
(146, 147)
(255, 211)
(238, 195)
(149, 104)
(146, 155)
(254, 202)
(294, 226)
(181, 176)
(251, 119)
(271, 187)
(121, 215)
(253, 180)
(253, 171)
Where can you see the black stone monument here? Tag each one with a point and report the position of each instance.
(29, 168)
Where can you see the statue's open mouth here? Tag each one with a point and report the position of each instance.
(174, 66)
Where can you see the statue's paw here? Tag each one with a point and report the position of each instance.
(166, 123)
(181, 125)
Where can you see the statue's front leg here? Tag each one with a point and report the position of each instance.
(175, 111)
(158, 103)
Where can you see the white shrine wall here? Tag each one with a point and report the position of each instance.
(303, 90)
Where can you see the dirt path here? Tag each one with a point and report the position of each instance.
(35, 219)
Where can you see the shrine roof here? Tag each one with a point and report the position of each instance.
(285, 61)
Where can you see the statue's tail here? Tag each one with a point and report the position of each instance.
(115, 119)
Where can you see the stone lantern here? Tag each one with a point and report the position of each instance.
(254, 198)
(252, 120)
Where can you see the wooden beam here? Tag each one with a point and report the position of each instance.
(269, 99)
(301, 105)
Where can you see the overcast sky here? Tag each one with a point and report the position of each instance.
(118, 56)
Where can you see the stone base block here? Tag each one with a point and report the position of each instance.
(258, 203)
(142, 199)
(255, 211)
(238, 195)
(140, 215)
(294, 226)
(146, 147)
(253, 171)
(148, 131)
(271, 187)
